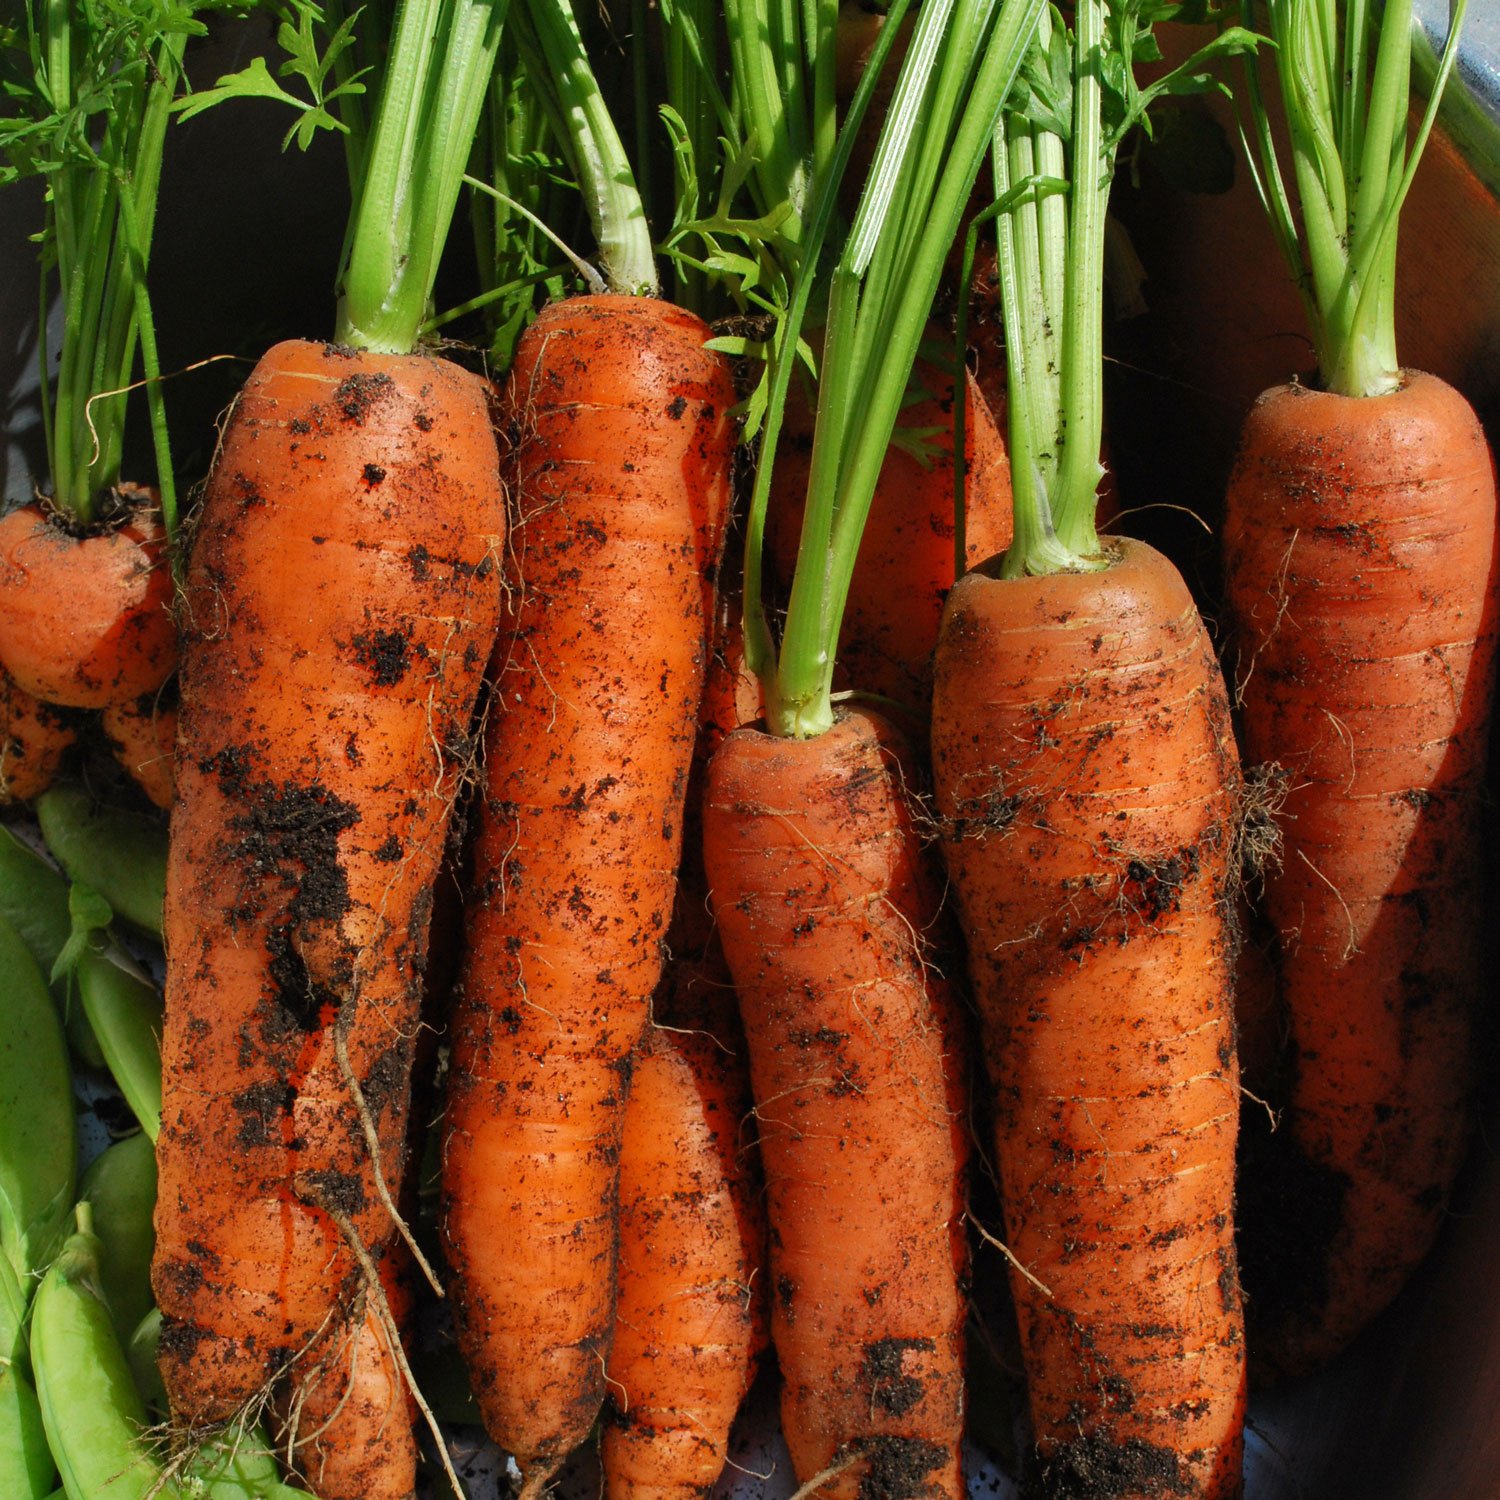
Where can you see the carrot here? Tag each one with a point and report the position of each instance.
(86, 620)
(1088, 786)
(690, 1320)
(34, 737)
(1362, 579)
(142, 732)
(1361, 556)
(906, 559)
(1083, 759)
(340, 603)
(349, 1412)
(586, 758)
(822, 899)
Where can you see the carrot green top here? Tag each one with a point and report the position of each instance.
(88, 88)
(1345, 80)
(1054, 165)
(963, 58)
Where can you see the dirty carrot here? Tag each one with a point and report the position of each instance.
(34, 737)
(142, 732)
(619, 434)
(1360, 553)
(339, 605)
(1086, 783)
(820, 892)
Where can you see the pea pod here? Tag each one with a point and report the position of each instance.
(121, 1186)
(12, 1317)
(140, 1352)
(38, 1147)
(26, 1467)
(124, 1011)
(90, 1408)
(122, 855)
(34, 900)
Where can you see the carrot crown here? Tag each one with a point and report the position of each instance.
(1346, 82)
(963, 58)
(90, 88)
(1054, 162)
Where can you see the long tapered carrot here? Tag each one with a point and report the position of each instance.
(1360, 547)
(621, 441)
(906, 556)
(34, 737)
(341, 601)
(823, 903)
(1083, 757)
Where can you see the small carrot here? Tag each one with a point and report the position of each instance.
(142, 732)
(906, 557)
(34, 737)
(690, 1320)
(85, 621)
(349, 1413)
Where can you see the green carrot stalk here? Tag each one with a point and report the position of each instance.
(1345, 82)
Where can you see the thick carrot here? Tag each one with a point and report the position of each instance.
(1362, 571)
(906, 554)
(86, 620)
(858, 1085)
(341, 600)
(1084, 763)
(350, 1413)
(34, 737)
(621, 440)
(143, 734)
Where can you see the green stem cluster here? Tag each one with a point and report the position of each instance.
(963, 58)
(106, 88)
(1345, 82)
(411, 168)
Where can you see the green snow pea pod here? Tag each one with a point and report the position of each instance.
(121, 1186)
(13, 1300)
(120, 854)
(140, 1352)
(38, 1147)
(34, 900)
(26, 1467)
(91, 1410)
(124, 1011)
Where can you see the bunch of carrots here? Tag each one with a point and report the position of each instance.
(689, 844)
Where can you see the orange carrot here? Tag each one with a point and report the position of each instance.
(906, 554)
(143, 734)
(34, 737)
(690, 1320)
(857, 1078)
(350, 1413)
(1085, 769)
(619, 424)
(1361, 554)
(86, 621)
(341, 600)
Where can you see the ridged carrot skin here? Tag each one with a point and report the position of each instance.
(621, 442)
(1084, 765)
(1360, 548)
(341, 601)
(905, 565)
(823, 902)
